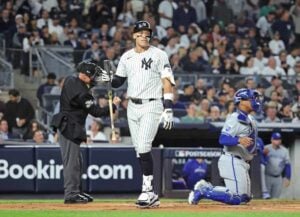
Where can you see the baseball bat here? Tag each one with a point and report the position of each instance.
(107, 67)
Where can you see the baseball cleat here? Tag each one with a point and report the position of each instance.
(266, 195)
(76, 199)
(147, 200)
(200, 190)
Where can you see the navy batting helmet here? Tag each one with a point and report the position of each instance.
(142, 25)
(248, 94)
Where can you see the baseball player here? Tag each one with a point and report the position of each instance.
(263, 162)
(193, 171)
(278, 164)
(238, 136)
(148, 71)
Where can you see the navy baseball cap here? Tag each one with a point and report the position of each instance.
(276, 136)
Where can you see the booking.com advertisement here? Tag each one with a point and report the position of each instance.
(40, 170)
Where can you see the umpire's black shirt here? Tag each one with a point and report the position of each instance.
(76, 102)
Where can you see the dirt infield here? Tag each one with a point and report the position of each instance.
(205, 206)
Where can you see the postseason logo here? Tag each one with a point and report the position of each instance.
(197, 153)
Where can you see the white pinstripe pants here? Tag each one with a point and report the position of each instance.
(143, 120)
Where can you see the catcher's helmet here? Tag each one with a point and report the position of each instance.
(91, 70)
(142, 25)
(248, 94)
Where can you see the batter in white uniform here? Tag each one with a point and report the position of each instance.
(238, 136)
(148, 72)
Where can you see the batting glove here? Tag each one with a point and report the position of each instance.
(167, 118)
(105, 77)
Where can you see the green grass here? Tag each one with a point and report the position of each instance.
(140, 213)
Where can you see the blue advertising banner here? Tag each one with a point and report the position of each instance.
(18, 170)
(113, 169)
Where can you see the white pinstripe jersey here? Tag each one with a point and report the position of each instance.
(143, 72)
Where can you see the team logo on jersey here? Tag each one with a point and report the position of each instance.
(89, 103)
(146, 64)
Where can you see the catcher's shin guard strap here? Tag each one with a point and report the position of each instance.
(223, 195)
(146, 163)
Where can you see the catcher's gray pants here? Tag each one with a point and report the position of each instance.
(143, 121)
(72, 162)
(274, 185)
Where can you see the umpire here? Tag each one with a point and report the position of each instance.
(76, 102)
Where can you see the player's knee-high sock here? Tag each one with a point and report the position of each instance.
(146, 162)
(223, 195)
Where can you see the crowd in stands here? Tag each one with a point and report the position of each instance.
(247, 43)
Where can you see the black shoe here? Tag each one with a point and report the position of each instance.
(87, 196)
(76, 199)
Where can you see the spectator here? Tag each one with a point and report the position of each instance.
(276, 45)
(56, 90)
(95, 134)
(45, 35)
(2, 109)
(286, 113)
(259, 60)
(72, 40)
(99, 13)
(194, 62)
(229, 109)
(200, 8)
(271, 114)
(191, 116)
(38, 137)
(204, 108)
(294, 55)
(4, 133)
(278, 163)
(93, 54)
(248, 67)
(214, 114)
(211, 94)
(19, 112)
(17, 42)
(282, 61)
(264, 24)
(285, 28)
(295, 13)
(222, 13)
(31, 128)
(126, 16)
(199, 89)
(272, 70)
(183, 16)
(250, 83)
(187, 95)
(276, 83)
(295, 71)
(46, 87)
(44, 20)
(166, 10)
(82, 46)
(172, 46)
(222, 100)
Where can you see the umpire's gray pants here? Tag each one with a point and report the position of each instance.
(72, 162)
(274, 185)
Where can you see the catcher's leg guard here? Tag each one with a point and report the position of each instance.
(223, 195)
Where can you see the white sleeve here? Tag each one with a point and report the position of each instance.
(121, 69)
(164, 67)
